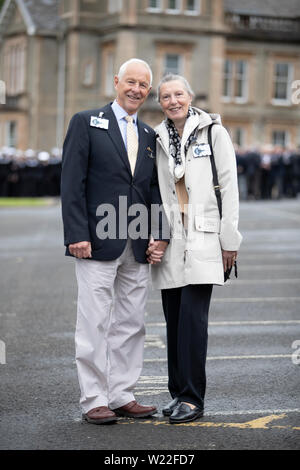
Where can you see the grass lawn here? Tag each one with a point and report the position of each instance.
(25, 201)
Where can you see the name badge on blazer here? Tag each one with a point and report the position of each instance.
(99, 122)
(201, 150)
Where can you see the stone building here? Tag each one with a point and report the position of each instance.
(242, 58)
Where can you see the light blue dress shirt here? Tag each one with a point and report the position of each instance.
(120, 114)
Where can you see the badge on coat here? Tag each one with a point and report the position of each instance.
(99, 122)
(201, 150)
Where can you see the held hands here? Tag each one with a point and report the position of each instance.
(229, 258)
(156, 251)
(81, 249)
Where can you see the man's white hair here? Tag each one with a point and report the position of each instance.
(124, 66)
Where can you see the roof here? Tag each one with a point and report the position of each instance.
(39, 15)
(44, 13)
(278, 8)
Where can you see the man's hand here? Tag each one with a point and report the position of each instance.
(81, 249)
(156, 251)
(229, 258)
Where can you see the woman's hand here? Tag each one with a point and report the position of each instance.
(156, 251)
(229, 258)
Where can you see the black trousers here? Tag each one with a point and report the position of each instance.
(186, 313)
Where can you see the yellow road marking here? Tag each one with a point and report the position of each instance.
(259, 423)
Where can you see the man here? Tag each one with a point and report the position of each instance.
(107, 158)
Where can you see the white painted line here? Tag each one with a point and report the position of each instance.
(284, 214)
(223, 358)
(238, 323)
(7, 314)
(264, 281)
(261, 356)
(252, 255)
(255, 322)
(251, 412)
(156, 360)
(267, 267)
(256, 299)
(242, 299)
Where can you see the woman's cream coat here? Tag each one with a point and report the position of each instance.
(195, 257)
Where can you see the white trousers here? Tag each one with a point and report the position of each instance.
(110, 329)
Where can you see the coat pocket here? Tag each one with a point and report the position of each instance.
(207, 224)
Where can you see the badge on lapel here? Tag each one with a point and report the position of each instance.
(201, 150)
(99, 122)
(150, 152)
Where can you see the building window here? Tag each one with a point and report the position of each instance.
(280, 138)
(154, 5)
(235, 81)
(14, 67)
(192, 7)
(114, 6)
(227, 79)
(88, 78)
(173, 64)
(11, 134)
(239, 136)
(282, 82)
(109, 73)
(173, 6)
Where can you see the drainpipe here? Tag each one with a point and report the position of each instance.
(60, 121)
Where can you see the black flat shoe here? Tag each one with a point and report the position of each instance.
(184, 413)
(168, 409)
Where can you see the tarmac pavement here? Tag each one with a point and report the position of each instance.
(252, 398)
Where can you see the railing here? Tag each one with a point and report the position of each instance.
(263, 23)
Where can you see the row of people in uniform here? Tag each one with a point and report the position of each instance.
(269, 172)
(29, 173)
(265, 173)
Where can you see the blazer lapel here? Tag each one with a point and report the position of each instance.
(115, 135)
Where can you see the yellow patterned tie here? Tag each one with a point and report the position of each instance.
(132, 143)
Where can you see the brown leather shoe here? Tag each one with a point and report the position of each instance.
(134, 410)
(100, 415)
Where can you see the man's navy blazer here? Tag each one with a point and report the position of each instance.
(95, 171)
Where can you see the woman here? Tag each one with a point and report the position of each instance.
(201, 247)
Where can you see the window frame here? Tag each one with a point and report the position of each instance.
(280, 101)
(180, 63)
(233, 76)
(109, 73)
(15, 59)
(155, 9)
(175, 11)
(114, 7)
(194, 12)
(9, 141)
(287, 138)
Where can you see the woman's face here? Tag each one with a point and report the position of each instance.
(174, 100)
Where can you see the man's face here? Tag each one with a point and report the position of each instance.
(133, 88)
